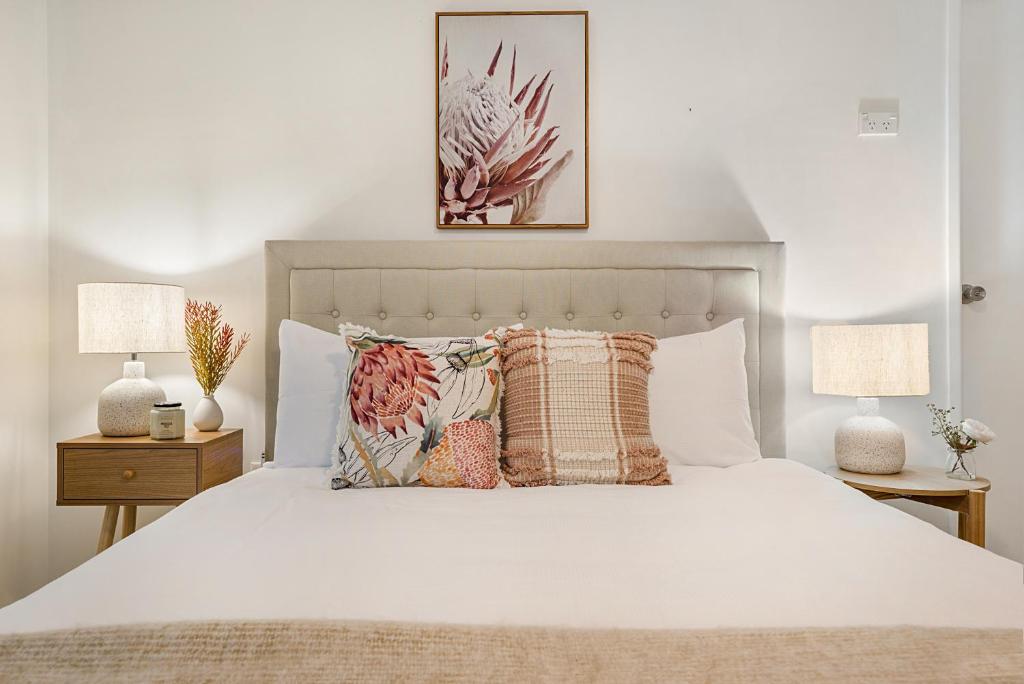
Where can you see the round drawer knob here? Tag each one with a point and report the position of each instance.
(665, 314)
(128, 474)
(382, 315)
(335, 313)
(710, 316)
(522, 315)
(476, 316)
(569, 316)
(617, 315)
(430, 315)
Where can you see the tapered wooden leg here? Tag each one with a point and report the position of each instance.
(976, 518)
(108, 528)
(128, 524)
(971, 524)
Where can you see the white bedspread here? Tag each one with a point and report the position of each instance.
(766, 544)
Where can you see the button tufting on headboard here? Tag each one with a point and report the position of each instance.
(464, 288)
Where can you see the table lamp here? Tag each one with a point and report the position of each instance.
(867, 362)
(130, 318)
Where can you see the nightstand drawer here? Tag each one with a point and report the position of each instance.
(129, 474)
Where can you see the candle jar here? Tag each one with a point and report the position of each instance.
(167, 420)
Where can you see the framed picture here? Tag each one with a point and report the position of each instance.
(511, 115)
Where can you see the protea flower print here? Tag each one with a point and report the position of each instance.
(494, 143)
(423, 412)
(389, 386)
(465, 457)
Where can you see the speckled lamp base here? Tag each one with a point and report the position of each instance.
(869, 443)
(124, 405)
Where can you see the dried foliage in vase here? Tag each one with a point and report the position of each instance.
(212, 346)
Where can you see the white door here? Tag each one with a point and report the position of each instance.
(992, 252)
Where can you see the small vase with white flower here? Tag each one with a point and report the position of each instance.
(961, 440)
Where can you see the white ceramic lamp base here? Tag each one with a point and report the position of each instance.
(869, 443)
(124, 405)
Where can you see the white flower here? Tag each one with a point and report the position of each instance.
(493, 148)
(977, 431)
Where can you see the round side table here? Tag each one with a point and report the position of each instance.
(928, 485)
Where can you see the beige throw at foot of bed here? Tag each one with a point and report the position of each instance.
(311, 651)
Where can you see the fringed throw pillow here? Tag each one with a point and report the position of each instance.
(420, 412)
(576, 409)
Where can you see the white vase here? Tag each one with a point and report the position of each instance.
(207, 416)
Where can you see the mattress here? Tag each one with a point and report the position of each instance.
(772, 543)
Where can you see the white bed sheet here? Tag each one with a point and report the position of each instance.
(765, 544)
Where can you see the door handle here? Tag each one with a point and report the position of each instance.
(972, 293)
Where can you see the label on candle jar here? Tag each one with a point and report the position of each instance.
(167, 421)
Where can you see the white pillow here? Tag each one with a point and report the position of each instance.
(700, 413)
(314, 372)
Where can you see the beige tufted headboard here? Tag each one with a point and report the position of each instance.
(465, 287)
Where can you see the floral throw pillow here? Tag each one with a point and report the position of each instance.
(421, 412)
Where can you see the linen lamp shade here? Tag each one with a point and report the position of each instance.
(867, 362)
(130, 318)
(870, 360)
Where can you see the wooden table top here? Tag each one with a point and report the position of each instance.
(191, 437)
(913, 480)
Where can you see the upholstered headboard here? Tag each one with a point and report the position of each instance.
(465, 287)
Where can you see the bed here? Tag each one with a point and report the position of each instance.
(764, 571)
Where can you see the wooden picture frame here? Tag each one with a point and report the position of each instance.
(512, 156)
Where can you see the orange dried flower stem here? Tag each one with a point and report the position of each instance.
(212, 347)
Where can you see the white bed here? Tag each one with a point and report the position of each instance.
(767, 544)
(772, 545)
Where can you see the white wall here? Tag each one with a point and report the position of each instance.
(992, 113)
(25, 450)
(186, 132)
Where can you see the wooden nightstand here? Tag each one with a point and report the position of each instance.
(138, 471)
(931, 486)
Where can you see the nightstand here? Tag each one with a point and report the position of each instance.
(930, 486)
(138, 471)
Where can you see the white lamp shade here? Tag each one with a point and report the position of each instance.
(130, 318)
(870, 360)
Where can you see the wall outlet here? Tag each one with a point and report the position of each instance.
(879, 123)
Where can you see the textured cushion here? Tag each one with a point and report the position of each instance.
(700, 414)
(314, 368)
(420, 412)
(576, 409)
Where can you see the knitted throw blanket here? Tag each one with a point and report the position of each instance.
(325, 651)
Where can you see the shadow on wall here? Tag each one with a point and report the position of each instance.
(24, 439)
(702, 201)
(703, 204)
